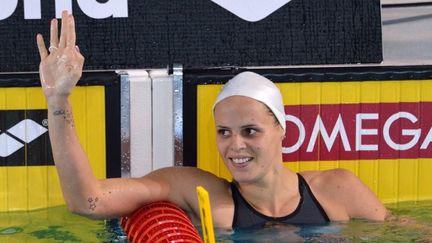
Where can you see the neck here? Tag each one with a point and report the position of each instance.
(274, 195)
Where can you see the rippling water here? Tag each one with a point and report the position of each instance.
(55, 225)
(411, 222)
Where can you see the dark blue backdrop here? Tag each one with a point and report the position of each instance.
(199, 33)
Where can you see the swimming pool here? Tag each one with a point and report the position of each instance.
(412, 223)
(56, 224)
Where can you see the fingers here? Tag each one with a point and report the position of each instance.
(41, 46)
(67, 36)
(64, 29)
(71, 36)
(54, 33)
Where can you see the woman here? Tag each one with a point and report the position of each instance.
(250, 128)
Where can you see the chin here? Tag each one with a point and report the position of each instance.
(243, 179)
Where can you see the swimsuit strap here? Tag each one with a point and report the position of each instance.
(308, 211)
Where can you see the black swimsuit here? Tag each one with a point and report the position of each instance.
(308, 211)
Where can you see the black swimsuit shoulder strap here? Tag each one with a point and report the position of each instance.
(245, 215)
(309, 197)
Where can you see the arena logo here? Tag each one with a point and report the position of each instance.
(251, 10)
(14, 138)
(358, 131)
(24, 139)
(92, 8)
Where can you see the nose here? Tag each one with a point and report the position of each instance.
(237, 143)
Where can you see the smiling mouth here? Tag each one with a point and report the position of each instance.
(241, 160)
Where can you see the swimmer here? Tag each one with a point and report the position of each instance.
(250, 127)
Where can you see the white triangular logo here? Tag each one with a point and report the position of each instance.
(251, 10)
(8, 145)
(26, 130)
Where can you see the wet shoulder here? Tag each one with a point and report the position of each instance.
(181, 182)
(333, 189)
(328, 178)
(191, 176)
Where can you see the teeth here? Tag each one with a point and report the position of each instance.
(240, 160)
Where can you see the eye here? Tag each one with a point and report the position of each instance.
(250, 131)
(223, 132)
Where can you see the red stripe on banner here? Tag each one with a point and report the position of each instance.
(358, 131)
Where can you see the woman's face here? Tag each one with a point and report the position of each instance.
(248, 138)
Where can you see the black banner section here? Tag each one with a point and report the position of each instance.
(201, 34)
(112, 125)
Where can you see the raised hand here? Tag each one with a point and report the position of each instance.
(61, 65)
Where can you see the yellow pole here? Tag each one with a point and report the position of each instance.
(206, 215)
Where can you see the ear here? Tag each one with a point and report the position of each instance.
(283, 133)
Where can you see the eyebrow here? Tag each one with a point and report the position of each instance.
(249, 125)
(223, 127)
(244, 126)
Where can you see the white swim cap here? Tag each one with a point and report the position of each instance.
(257, 87)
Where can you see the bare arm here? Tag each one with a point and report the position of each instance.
(84, 194)
(360, 201)
(60, 70)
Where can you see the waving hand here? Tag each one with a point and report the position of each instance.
(61, 65)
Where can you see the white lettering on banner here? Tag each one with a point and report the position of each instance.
(360, 132)
(427, 140)
(115, 8)
(339, 128)
(8, 8)
(92, 8)
(251, 10)
(406, 132)
(302, 134)
(61, 5)
(328, 140)
(32, 9)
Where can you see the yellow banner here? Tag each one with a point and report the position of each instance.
(28, 180)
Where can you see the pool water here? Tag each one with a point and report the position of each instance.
(56, 224)
(411, 222)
